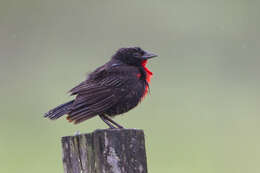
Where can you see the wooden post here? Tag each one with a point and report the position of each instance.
(105, 151)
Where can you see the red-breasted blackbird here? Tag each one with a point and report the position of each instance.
(112, 89)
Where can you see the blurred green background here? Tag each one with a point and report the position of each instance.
(203, 112)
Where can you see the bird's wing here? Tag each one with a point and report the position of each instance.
(91, 81)
(96, 96)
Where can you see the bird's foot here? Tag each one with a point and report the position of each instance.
(113, 122)
(110, 122)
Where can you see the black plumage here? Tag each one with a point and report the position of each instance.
(112, 89)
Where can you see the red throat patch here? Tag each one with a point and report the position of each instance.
(148, 76)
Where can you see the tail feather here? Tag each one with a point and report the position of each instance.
(59, 111)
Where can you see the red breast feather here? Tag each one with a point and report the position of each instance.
(148, 76)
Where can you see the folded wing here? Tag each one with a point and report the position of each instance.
(94, 97)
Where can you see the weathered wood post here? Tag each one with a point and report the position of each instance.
(105, 151)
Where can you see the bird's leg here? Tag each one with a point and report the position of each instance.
(106, 121)
(113, 122)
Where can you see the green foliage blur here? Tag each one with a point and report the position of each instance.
(203, 111)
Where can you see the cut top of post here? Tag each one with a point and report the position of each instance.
(105, 151)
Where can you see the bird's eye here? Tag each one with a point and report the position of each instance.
(136, 54)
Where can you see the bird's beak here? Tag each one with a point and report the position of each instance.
(148, 55)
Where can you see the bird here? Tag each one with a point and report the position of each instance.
(112, 89)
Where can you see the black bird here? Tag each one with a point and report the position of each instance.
(112, 89)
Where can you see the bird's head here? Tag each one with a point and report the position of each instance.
(133, 55)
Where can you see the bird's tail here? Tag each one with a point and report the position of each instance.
(59, 111)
